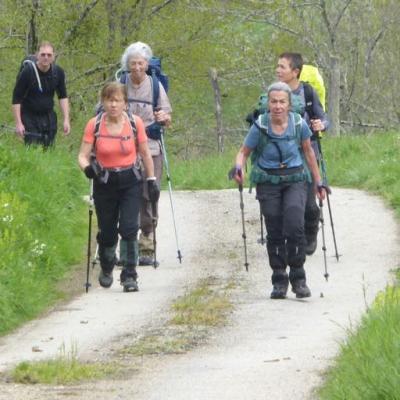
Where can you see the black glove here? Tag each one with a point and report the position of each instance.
(153, 190)
(89, 172)
(321, 186)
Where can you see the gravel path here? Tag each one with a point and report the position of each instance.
(270, 349)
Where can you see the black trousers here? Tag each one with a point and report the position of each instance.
(283, 208)
(39, 128)
(117, 205)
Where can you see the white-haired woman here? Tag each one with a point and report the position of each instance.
(280, 140)
(155, 113)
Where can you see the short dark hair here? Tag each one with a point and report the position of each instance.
(45, 43)
(112, 88)
(295, 60)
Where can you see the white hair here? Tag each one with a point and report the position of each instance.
(137, 49)
(280, 87)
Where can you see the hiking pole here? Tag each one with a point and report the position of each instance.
(154, 223)
(87, 284)
(325, 179)
(170, 194)
(231, 174)
(321, 218)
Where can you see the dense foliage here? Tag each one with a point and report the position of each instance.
(241, 39)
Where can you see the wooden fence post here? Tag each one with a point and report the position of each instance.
(218, 109)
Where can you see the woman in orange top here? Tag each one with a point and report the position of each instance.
(115, 138)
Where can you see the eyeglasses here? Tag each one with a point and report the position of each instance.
(46, 55)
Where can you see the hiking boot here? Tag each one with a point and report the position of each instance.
(311, 245)
(301, 289)
(130, 285)
(279, 291)
(105, 278)
(148, 260)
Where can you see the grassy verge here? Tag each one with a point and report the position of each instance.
(42, 227)
(368, 366)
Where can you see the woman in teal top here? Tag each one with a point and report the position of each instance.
(282, 158)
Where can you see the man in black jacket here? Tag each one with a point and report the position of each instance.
(33, 98)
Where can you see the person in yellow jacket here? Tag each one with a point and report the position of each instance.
(306, 102)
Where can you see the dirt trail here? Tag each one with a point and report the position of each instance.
(270, 349)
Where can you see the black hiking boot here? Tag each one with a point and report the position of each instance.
(130, 285)
(148, 260)
(279, 291)
(301, 289)
(105, 279)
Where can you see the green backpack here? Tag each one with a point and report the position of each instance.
(259, 175)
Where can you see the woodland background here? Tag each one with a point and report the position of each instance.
(354, 43)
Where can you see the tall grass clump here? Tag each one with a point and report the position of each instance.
(42, 227)
(368, 366)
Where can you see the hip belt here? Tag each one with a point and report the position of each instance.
(120, 169)
(283, 171)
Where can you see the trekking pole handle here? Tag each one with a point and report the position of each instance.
(157, 109)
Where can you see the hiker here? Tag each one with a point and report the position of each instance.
(310, 108)
(116, 138)
(136, 59)
(279, 140)
(33, 98)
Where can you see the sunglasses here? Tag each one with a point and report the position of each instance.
(46, 55)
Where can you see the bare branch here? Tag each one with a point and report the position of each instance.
(91, 71)
(156, 9)
(340, 15)
(69, 34)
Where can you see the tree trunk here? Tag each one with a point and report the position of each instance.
(218, 109)
(334, 96)
(32, 39)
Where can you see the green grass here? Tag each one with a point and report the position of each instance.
(64, 370)
(42, 227)
(206, 173)
(369, 162)
(202, 306)
(368, 366)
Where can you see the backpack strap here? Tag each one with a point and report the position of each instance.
(308, 97)
(31, 65)
(121, 76)
(132, 121)
(155, 85)
(96, 131)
